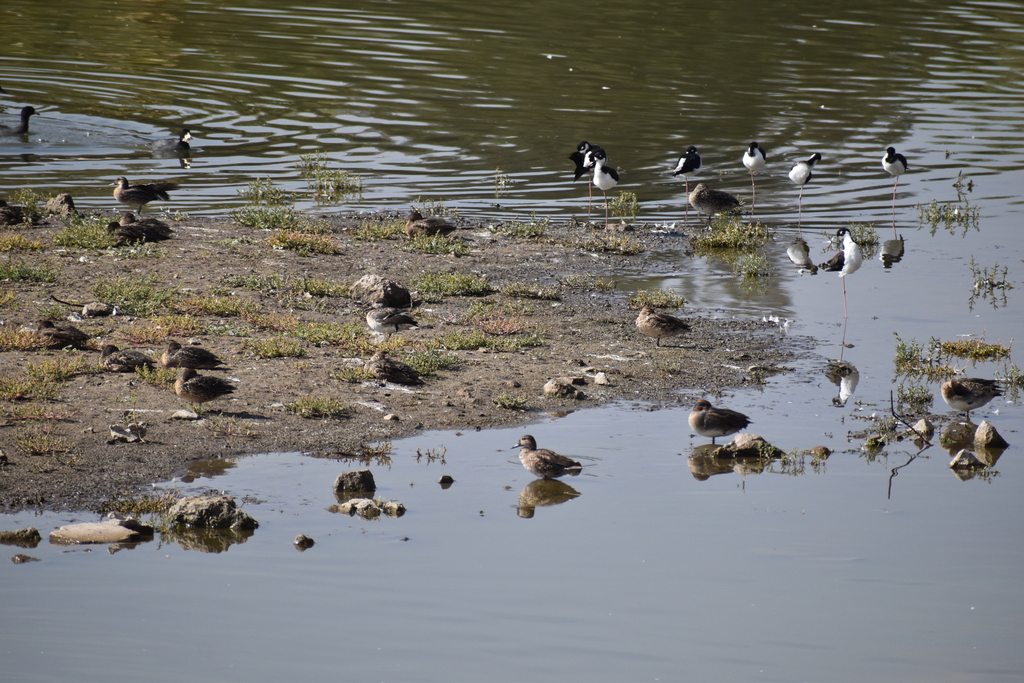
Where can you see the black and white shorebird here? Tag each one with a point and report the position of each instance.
(895, 165)
(178, 144)
(604, 177)
(754, 159)
(584, 163)
(687, 166)
(846, 261)
(801, 175)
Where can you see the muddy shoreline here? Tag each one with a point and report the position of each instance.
(581, 327)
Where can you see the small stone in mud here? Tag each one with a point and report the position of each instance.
(28, 537)
(184, 415)
(302, 541)
(393, 508)
(987, 436)
(357, 480)
(601, 378)
(562, 387)
(97, 309)
(391, 417)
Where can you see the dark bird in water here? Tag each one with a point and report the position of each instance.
(391, 370)
(658, 325)
(545, 463)
(21, 128)
(195, 388)
(705, 200)
(969, 393)
(57, 336)
(116, 360)
(178, 144)
(140, 195)
(706, 420)
(388, 321)
(416, 224)
(178, 356)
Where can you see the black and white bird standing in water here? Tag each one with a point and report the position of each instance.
(895, 165)
(754, 159)
(846, 261)
(604, 177)
(687, 166)
(584, 163)
(801, 175)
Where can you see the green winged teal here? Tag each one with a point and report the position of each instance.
(116, 360)
(388, 321)
(969, 393)
(658, 325)
(391, 370)
(707, 420)
(140, 195)
(545, 463)
(178, 356)
(195, 388)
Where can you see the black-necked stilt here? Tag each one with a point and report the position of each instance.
(178, 144)
(658, 325)
(846, 261)
(604, 177)
(545, 463)
(687, 165)
(22, 128)
(584, 163)
(707, 420)
(799, 253)
(969, 393)
(754, 159)
(801, 175)
(895, 165)
(705, 200)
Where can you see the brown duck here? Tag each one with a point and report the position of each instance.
(195, 388)
(391, 370)
(57, 336)
(658, 325)
(416, 225)
(116, 360)
(177, 356)
(545, 463)
(140, 195)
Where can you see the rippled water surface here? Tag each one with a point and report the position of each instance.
(884, 567)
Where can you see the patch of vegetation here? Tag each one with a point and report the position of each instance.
(661, 298)
(349, 338)
(157, 330)
(321, 287)
(913, 399)
(351, 374)
(17, 270)
(263, 192)
(524, 290)
(8, 299)
(433, 207)
(12, 339)
(376, 230)
(433, 287)
(135, 295)
(84, 232)
(435, 244)
(624, 206)
(303, 243)
(40, 441)
(32, 204)
(732, 234)
(914, 360)
(266, 217)
(27, 389)
(60, 368)
(18, 242)
(990, 284)
(220, 306)
(531, 229)
(316, 407)
(509, 401)
(974, 349)
(265, 284)
(502, 182)
(952, 215)
(162, 378)
(325, 184)
(139, 506)
(274, 347)
(753, 265)
(231, 427)
(429, 361)
(586, 282)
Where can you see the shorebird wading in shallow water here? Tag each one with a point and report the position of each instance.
(969, 393)
(895, 165)
(705, 200)
(801, 175)
(545, 463)
(687, 166)
(604, 177)
(584, 163)
(658, 325)
(707, 420)
(754, 159)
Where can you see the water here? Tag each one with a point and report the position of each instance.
(650, 573)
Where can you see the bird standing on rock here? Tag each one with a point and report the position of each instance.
(969, 393)
(707, 420)
(140, 195)
(545, 463)
(658, 325)
(416, 225)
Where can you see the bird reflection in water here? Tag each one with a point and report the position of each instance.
(845, 376)
(543, 492)
(891, 252)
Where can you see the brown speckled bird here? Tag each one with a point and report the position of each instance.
(140, 195)
(416, 224)
(658, 325)
(195, 388)
(707, 420)
(391, 370)
(57, 336)
(152, 230)
(707, 201)
(545, 463)
(116, 360)
(178, 356)
(969, 393)
(11, 215)
(387, 321)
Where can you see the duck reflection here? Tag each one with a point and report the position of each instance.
(708, 459)
(543, 492)
(891, 252)
(844, 375)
